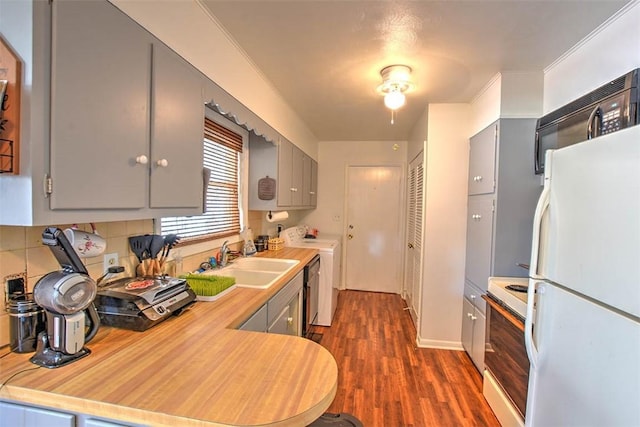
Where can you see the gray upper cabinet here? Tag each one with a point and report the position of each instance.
(479, 238)
(313, 191)
(100, 82)
(499, 223)
(176, 132)
(482, 162)
(115, 120)
(285, 178)
(124, 107)
(291, 161)
(296, 175)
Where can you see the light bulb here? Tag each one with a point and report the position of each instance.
(394, 99)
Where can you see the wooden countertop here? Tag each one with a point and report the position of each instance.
(190, 370)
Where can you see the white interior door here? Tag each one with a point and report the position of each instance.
(374, 232)
(413, 263)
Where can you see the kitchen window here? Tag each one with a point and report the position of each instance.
(224, 158)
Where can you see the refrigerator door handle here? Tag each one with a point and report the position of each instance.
(530, 345)
(541, 207)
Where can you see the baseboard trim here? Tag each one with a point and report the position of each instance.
(442, 345)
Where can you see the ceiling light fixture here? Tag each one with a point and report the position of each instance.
(395, 82)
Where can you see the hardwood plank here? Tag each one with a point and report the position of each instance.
(385, 380)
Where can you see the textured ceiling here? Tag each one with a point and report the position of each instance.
(325, 56)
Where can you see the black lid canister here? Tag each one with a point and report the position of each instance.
(26, 321)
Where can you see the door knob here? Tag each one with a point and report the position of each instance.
(142, 160)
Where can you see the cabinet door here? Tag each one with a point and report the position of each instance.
(177, 129)
(478, 342)
(482, 161)
(306, 180)
(282, 323)
(257, 322)
(285, 163)
(100, 82)
(467, 326)
(25, 416)
(479, 240)
(314, 183)
(297, 179)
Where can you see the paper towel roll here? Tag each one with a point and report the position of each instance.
(277, 216)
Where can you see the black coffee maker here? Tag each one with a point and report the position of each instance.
(67, 299)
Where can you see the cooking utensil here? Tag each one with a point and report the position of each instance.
(170, 240)
(140, 247)
(156, 245)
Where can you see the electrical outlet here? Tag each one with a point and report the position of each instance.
(110, 260)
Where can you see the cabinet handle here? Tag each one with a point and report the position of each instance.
(350, 236)
(477, 178)
(290, 320)
(293, 189)
(142, 160)
(476, 217)
(410, 245)
(473, 317)
(472, 296)
(163, 163)
(469, 315)
(312, 192)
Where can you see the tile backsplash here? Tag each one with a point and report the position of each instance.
(22, 254)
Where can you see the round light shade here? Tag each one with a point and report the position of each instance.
(394, 100)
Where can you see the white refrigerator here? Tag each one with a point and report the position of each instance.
(583, 338)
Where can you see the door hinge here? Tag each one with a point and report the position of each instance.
(48, 185)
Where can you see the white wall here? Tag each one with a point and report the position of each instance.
(610, 51)
(188, 28)
(507, 95)
(418, 136)
(333, 159)
(444, 225)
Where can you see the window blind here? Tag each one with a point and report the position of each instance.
(222, 149)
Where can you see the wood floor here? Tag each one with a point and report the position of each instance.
(385, 381)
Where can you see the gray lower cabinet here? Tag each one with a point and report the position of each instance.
(473, 325)
(282, 314)
(257, 322)
(18, 415)
(503, 191)
(284, 310)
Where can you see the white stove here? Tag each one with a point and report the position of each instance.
(511, 291)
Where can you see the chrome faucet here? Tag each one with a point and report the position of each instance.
(224, 254)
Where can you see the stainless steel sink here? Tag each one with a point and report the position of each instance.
(258, 273)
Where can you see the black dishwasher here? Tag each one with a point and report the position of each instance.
(310, 295)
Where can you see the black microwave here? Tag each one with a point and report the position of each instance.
(607, 109)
